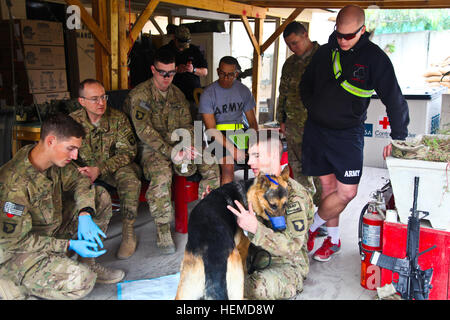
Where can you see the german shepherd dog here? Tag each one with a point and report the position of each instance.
(213, 266)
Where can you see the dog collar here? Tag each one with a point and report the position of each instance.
(268, 177)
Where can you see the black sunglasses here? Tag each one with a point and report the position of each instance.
(166, 74)
(347, 36)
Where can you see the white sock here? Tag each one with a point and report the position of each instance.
(318, 221)
(333, 232)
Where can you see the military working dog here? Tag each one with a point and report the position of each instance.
(213, 266)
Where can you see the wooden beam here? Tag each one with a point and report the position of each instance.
(142, 20)
(275, 78)
(113, 29)
(161, 32)
(102, 62)
(384, 4)
(92, 25)
(280, 29)
(123, 46)
(223, 6)
(257, 63)
(252, 37)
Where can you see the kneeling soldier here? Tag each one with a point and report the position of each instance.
(45, 203)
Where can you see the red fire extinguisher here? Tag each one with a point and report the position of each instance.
(370, 240)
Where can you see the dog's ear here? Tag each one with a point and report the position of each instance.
(285, 173)
(262, 180)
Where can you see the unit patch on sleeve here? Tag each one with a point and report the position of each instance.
(293, 207)
(9, 227)
(132, 139)
(299, 225)
(139, 115)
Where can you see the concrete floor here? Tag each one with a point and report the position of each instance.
(338, 279)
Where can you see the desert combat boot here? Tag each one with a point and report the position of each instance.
(164, 239)
(129, 240)
(104, 275)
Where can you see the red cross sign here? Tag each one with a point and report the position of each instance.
(385, 122)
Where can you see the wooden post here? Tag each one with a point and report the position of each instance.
(257, 60)
(275, 79)
(142, 20)
(92, 25)
(123, 46)
(113, 30)
(102, 64)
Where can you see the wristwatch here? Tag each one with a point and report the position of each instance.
(193, 70)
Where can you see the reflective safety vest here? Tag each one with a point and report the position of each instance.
(337, 69)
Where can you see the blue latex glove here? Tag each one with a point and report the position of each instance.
(88, 230)
(82, 248)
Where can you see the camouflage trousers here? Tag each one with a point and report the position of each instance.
(274, 283)
(294, 138)
(127, 180)
(159, 171)
(51, 275)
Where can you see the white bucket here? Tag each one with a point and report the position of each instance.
(433, 193)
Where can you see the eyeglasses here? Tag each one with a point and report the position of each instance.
(227, 75)
(184, 40)
(166, 74)
(347, 36)
(97, 99)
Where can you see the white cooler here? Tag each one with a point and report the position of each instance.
(433, 192)
(424, 114)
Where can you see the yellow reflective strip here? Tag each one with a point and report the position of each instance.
(337, 69)
(229, 126)
(356, 91)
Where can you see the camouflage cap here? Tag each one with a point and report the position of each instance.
(183, 35)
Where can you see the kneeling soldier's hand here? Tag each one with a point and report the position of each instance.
(88, 230)
(82, 248)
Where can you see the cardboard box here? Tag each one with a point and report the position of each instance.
(47, 97)
(34, 57)
(34, 32)
(31, 82)
(86, 55)
(18, 9)
(44, 81)
(27, 99)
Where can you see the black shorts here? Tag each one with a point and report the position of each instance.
(327, 151)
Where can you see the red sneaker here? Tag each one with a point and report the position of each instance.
(327, 249)
(311, 237)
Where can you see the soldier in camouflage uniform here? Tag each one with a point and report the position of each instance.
(291, 113)
(107, 154)
(43, 199)
(289, 265)
(157, 108)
